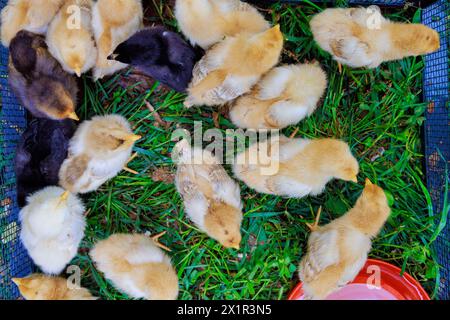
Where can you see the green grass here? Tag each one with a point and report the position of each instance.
(378, 112)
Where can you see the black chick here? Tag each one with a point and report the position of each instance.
(39, 81)
(41, 151)
(160, 54)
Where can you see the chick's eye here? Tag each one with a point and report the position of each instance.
(226, 232)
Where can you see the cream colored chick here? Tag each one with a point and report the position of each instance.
(283, 97)
(30, 15)
(52, 228)
(337, 251)
(42, 287)
(207, 22)
(71, 44)
(98, 151)
(295, 168)
(212, 199)
(136, 266)
(362, 37)
(232, 67)
(114, 21)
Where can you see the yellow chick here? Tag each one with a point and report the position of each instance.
(207, 22)
(70, 37)
(136, 266)
(283, 97)
(42, 287)
(362, 37)
(114, 21)
(212, 199)
(52, 227)
(98, 151)
(295, 168)
(337, 251)
(232, 67)
(30, 15)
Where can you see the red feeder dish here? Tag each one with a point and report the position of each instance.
(378, 280)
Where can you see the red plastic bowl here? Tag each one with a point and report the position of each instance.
(378, 280)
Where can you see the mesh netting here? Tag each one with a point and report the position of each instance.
(437, 129)
(14, 261)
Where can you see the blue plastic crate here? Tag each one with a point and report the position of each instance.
(437, 129)
(14, 260)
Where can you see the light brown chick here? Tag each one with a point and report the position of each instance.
(207, 22)
(295, 168)
(362, 37)
(232, 67)
(283, 97)
(42, 287)
(71, 44)
(338, 250)
(30, 15)
(114, 21)
(212, 199)
(136, 266)
(99, 150)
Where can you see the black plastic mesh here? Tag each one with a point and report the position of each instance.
(437, 129)
(14, 260)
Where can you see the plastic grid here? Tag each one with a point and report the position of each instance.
(14, 260)
(437, 129)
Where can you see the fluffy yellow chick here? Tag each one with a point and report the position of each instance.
(136, 266)
(283, 97)
(362, 37)
(71, 44)
(114, 21)
(99, 150)
(338, 250)
(212, 199)
(42, 287)
(295, 168)
(30, 15)
(232, 67)
(207, 22)
(52, 227)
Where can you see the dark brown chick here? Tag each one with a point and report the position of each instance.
(41, 151)
(39, 81)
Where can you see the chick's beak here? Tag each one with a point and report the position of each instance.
(113, 56)
(354, 179)
(73, 116)
(237, 247)
(17, 281)
(64, 197)
(78, 72)
(134, 137)
(368, 183)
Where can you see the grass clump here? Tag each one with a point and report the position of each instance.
(378, 112)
